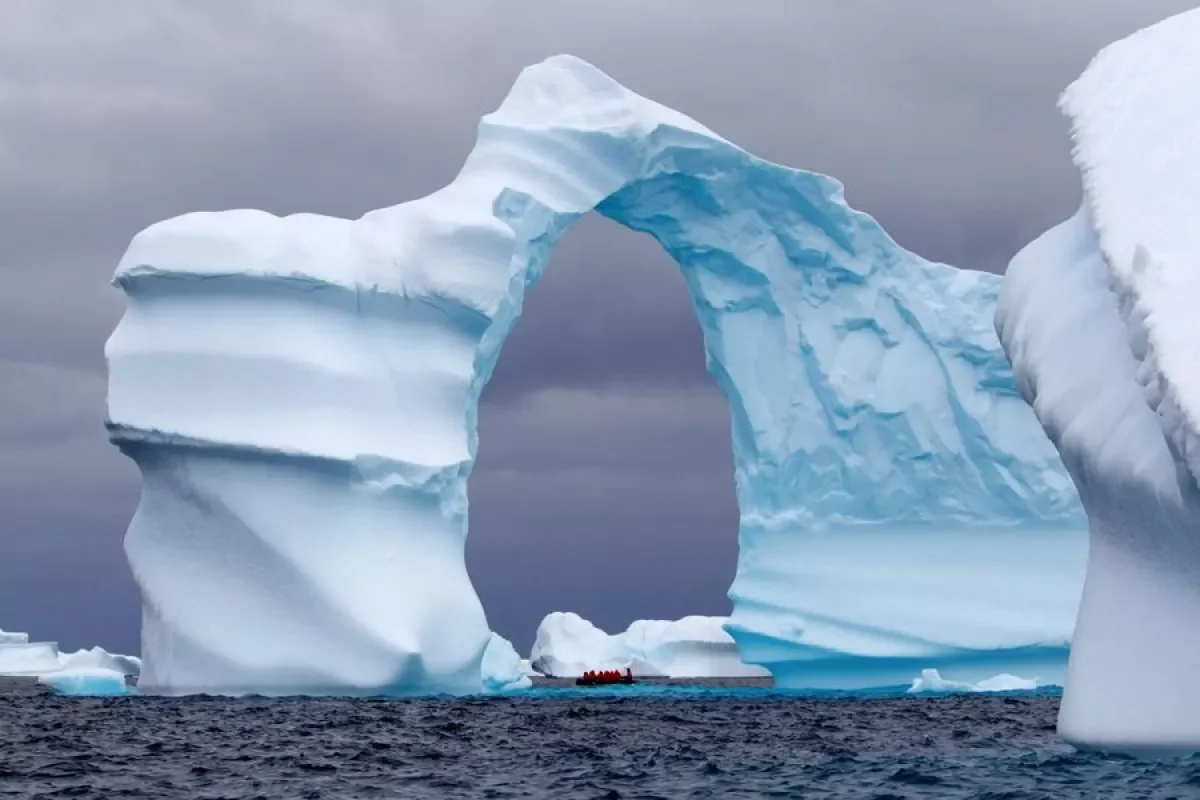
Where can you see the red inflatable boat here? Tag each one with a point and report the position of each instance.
(605, 677)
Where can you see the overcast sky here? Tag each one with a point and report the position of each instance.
(604, 482)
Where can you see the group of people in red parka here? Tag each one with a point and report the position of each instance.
(608, 675)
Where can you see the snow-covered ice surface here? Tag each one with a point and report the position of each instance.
(503, 670)
(693, 647)
(301, 396)
(1099, 318)
(99, 658)
(567, 645)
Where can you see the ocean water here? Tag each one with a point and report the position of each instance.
(655, 742)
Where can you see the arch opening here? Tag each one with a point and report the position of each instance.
(603, 481)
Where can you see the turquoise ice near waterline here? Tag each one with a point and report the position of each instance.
(86, 682)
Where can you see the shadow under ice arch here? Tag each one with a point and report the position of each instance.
(301, 394)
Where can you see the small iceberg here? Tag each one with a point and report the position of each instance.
(503, 670)
(86, 682)
(568, 645)
(93, 671)
(931, 681)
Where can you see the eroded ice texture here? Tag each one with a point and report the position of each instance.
(1099, 318)
(301, 395)
(567, 645)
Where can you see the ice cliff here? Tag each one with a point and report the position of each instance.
(567, 645)
(300, 395)
(1099, 318)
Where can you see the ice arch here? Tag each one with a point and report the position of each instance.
(301, 393)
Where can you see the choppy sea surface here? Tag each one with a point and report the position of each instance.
(625, 742)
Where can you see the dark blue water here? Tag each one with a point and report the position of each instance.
(658, 743)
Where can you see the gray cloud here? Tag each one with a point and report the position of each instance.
(617, 505)
(611, 304)
(938, 115)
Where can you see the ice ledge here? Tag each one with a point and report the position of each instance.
(371, 471)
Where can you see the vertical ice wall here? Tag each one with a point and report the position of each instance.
(300, 395)
(1099, 318)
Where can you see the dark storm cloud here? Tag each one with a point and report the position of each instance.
(937, 114)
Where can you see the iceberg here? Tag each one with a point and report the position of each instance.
(9, 637)
(300, 395)
(92, 672)
(932, 682)
(567, 645)
(503, 669)
(99, 658)
(86, 682)
(1098, 318)
(28, 658)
